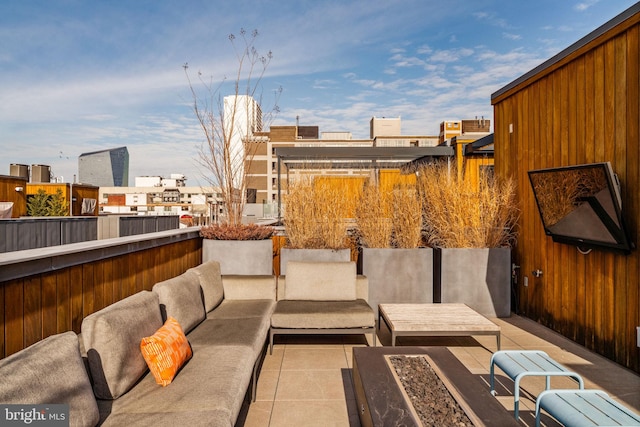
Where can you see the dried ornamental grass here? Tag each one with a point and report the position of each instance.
(407, 217)
(373, 216)
(314, 214)
(460, 214)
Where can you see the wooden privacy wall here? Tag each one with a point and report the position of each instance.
(37, 306)
(8, 193)
(583, 107)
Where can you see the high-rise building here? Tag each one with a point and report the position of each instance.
(242, 119)
(105, 168)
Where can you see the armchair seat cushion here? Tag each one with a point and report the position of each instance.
(303, 314)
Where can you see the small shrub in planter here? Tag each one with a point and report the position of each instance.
(245, 249)
(236, 232)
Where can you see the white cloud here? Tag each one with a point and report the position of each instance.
(584, 5)
(424, 50)
(492, 19)
(451, 55)
(511, 36)
(406, 61)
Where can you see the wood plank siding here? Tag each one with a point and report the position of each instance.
(582, 106)
(8, 193)
(57, 299)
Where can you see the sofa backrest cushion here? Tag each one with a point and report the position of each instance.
(50, 371)
(246, 287)
(210, 280)
(320, 281)
(181, 298)
(112, 340)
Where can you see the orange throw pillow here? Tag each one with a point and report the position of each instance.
(166, 351)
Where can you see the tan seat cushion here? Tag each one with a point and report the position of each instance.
(322, 314)
(320, 281)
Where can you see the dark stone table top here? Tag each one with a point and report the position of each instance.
(381, 402)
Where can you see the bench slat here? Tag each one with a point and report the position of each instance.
(585, 408)
(514, 364)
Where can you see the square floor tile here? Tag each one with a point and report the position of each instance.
(311, 385)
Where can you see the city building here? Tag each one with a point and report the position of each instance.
(154, 195)
(242, 118)
(105, 168)
(263, 176)
(383, 126)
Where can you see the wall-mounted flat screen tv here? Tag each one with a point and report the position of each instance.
(581, 205)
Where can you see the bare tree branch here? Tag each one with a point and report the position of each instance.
(229, 122)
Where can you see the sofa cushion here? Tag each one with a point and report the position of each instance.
(181, 298)
(251, 333)
(320, 281)
(244, 287)
(210, 280)
(112, 340)
(166, 351)
(322, 314)
(216, 379)
(242, 309)
(50, 371)
(194, 418)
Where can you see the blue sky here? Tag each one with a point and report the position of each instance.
(79, 76)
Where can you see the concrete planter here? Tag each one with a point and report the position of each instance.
(318, 255)
(398, 275)
(245, 257)
(480, 278)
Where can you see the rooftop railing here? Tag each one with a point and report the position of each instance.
(51, 290)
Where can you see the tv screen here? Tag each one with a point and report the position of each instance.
(581, 205)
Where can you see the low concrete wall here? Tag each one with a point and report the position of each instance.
(318, 255)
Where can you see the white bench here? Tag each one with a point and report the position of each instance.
(584, 408)
(518, 364)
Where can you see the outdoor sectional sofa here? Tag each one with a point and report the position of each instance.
(226, 322)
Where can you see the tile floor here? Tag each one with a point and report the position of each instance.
(307, 381)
